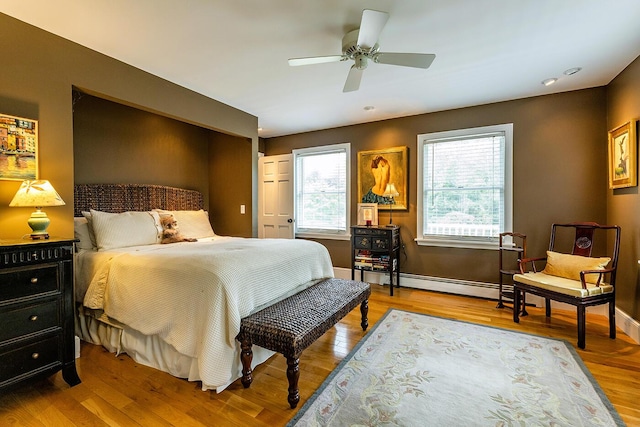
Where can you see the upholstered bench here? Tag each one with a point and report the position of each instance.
(291, 325)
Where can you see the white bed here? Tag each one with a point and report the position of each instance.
(177, 307)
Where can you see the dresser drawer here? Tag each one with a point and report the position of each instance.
(28, 281)
(17, 322)
(30, 358)
(369, 232)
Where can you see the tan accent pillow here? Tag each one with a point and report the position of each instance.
(570, 266)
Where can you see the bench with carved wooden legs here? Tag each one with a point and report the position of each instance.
(291, 325)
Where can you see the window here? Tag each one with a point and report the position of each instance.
(465, 186)
(322, 191)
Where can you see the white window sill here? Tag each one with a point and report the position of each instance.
(325, 236)
(448, 242)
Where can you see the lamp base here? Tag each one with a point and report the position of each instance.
(39, 223)
(39, 236)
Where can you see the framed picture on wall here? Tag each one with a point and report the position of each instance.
(623, 166)
(18, 148)
(383, 172)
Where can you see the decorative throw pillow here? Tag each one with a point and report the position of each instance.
(193, 224)
(570, 266)
(119, 230)
(92, 235)
(81, 233)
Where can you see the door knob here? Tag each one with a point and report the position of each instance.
(289, 220)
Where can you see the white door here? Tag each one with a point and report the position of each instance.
(275, 197)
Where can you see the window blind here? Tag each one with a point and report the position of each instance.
(464, 186)
(321, 191)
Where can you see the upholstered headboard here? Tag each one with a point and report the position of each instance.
(133, 197)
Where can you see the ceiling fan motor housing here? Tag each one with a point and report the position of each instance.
(359, 54)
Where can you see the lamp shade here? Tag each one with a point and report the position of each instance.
(36, 193)
(390, 191)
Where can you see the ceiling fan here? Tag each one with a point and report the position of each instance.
(361, 46)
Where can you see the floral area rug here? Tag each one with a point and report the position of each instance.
(418, 370)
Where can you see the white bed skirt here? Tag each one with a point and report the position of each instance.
(153, 351)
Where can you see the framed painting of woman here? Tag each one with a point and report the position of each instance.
(380, 172)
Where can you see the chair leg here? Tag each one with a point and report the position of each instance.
(581, 326)
(612, 320)
(547, 307)
(516, 305)
(524, 304)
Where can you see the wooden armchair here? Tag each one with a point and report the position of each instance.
(572, 276)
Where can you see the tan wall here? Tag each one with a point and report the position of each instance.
(36, 78)
(623, 205)
(558, 172)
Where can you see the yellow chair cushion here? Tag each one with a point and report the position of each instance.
(570, 266)
(561, 284)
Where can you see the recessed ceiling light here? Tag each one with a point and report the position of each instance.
(549, 82)
(572, 71)
(369, 108)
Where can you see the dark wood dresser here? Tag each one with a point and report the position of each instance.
(36, 311)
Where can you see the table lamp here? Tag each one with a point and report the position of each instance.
(391, 192)
(37, 194)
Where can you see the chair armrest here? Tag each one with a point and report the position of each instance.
(599, 272)
(522, 264)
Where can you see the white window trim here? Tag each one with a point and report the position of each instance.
(327, 234)
(466, 242)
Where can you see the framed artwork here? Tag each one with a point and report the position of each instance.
(367, 214)
(623, 166)
(380, 170)
(18, 148)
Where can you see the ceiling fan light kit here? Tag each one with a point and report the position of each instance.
(361, 46)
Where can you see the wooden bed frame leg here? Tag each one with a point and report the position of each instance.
(364, 310)
(293, 375)
(246, 356)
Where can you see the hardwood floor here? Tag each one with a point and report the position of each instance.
(116, 391)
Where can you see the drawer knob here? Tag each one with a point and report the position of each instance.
(33, 318)
(34, 280)
(35, 355)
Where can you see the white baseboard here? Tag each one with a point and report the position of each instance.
(626, 323)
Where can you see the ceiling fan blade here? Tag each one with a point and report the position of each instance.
(294, 62)
(353, 79)
(416, 60)
(370, 27)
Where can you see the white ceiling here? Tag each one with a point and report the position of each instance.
(236, 51)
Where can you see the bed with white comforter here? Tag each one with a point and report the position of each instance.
(177, 307)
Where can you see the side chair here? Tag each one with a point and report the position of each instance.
(572, 274)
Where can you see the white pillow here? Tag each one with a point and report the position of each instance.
(119, 230)
(192, 224)
(81, 233)
(92, 235)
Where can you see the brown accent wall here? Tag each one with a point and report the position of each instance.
(230, 168)
(558, 172)
(37, 75)
(114, 143)
(623, 205)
